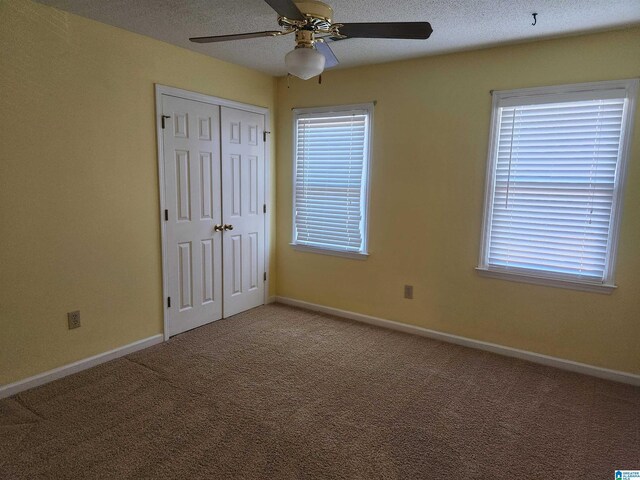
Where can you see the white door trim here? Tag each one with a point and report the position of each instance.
(201, 97)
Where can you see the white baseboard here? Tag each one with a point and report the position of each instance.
(271, 299)
(570, 365)
(56, 373)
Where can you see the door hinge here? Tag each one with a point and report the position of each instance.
(264, 208)
(166, 215)
(265, 276)
(264, 135)
(164, 117)
(168, 302)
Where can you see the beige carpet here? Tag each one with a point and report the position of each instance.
(279, 392)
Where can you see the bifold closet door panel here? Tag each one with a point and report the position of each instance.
(243, 179)
(191, 144)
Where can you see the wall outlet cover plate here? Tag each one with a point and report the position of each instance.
(73, 319)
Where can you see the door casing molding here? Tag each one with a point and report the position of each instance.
(161, 90)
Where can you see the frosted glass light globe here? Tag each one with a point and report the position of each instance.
(304, 63)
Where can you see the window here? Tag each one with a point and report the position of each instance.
(554, 183)
(331, 169)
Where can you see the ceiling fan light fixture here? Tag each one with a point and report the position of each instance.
(304, 62)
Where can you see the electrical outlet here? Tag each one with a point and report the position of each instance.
(408, 292)
(73, 318)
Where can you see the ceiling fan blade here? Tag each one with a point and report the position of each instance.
(286, 8)
(330, 59)
(237, 36)
(407, 30)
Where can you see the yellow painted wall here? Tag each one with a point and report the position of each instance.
(430, 140)
(79, 204)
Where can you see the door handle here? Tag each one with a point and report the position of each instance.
(218, 228)
(228, 227)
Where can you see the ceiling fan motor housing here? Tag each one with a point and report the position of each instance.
(318, 17)
(318, 14)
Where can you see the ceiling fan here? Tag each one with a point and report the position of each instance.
(312, 23)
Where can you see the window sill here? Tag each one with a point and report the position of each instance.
(326, 251)
(546, 281)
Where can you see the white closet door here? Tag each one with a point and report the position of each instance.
(193, 199)
(243, 215)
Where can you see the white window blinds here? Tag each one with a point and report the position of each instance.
(330, 179)
(554, 185)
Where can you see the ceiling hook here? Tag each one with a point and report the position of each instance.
(535, 20)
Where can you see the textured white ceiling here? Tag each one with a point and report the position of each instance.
(457, 24)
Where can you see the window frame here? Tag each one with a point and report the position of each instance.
(528, 96)
(363, 254)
